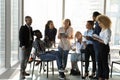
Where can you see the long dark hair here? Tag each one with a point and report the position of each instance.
(47, 24)
(96, 13)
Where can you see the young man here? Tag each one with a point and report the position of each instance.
(39, 51)
(89, 50)
(26, 40)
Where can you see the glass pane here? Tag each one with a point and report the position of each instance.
(113, 11)
(43, 10)
(79, 11)
(14, 31)
(2, 33)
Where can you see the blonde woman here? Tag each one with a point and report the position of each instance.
(65, 35)
(103, 39)
(75, 57)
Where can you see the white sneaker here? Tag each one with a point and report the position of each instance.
(61, 70)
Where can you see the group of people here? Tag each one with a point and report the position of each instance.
(95, 42)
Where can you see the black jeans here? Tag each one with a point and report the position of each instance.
(103, 68)
(90, 52)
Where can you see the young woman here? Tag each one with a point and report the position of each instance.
(75, 57)
(50, 33)
(65, 34)
(103, 39)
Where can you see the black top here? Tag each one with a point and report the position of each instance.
(50, 33)
(24, 36)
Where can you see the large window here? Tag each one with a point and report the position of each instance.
(113, 11)
(2, 33)
(43, 10)
(14, 31)
(79, 11)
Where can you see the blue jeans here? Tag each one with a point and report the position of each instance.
(63, 54)
(53, 55)
(96, 49)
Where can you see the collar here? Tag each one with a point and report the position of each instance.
(27, 25)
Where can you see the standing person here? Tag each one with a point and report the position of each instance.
(89, 49)
(50, 33)
(65, 34)
(96, 31)
(104, 49)
(75, 57)
(26, 40)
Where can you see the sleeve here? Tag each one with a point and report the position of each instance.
(35, 45)
(46, 31)
(55, 32)
(22, 36)
(82, 46)
(70, 34)
(107, 37)
(84, 39)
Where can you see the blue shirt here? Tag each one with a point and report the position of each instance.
(88, 33)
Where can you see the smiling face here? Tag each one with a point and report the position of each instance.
(28, 21)
(78, 36)
(39, 35)
(88, 25)
(66, 23)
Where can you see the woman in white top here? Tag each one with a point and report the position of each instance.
(76, 56)
(104, 39)
(65, 34)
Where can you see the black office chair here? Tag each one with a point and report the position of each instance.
(116, 62)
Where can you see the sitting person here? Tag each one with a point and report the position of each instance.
(75, 57)
(50, 34)
(39, 51)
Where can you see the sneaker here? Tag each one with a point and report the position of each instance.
(61, 75)
(26, 74)
(30, 60)
(75, 72)
(95, 77)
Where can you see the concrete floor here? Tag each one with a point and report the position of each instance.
(13, 74)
